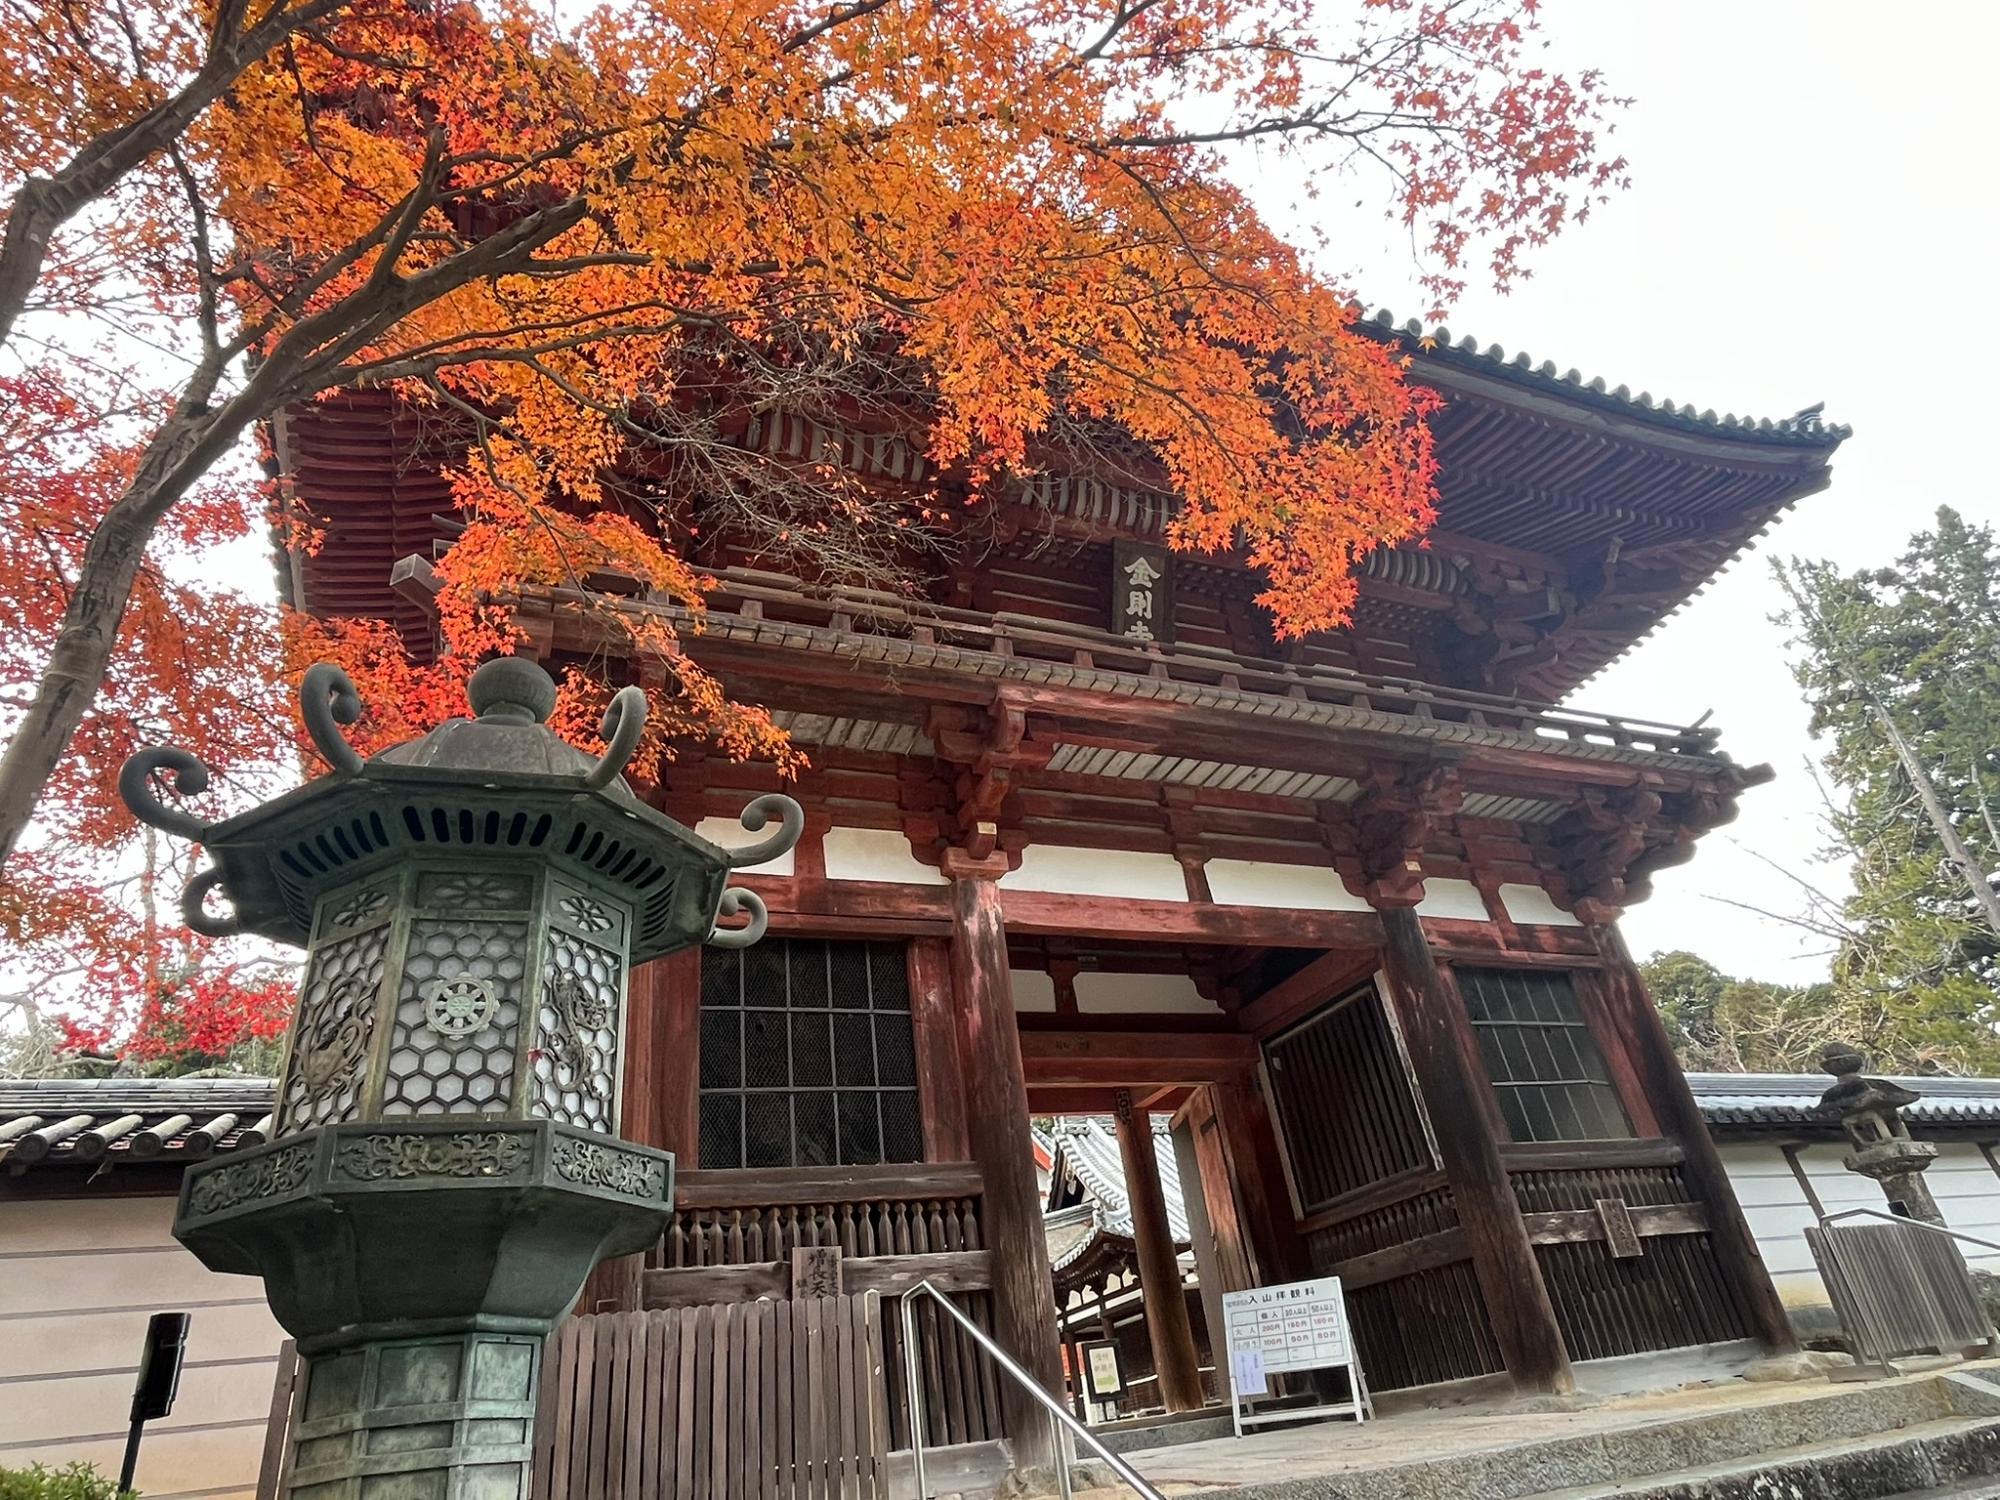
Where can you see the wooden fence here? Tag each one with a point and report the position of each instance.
(767, 1400)
(1899, 1289)
(740, 1235)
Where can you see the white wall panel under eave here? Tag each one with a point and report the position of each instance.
(1140, 994)
(1256, 882)
(1456, 899)
(1119, 873)
(875, 854)
(1531, 907)
(1034, 991)
(729, 833)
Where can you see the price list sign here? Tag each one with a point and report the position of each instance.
(1275, 1329)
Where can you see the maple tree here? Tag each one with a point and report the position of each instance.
(584, 246)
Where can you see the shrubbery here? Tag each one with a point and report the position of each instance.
(78, 1481)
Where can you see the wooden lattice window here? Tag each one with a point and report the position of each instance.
(1344, 1101)
(1546, 1067)
(807, 1056)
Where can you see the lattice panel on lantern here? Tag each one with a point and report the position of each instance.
(335, 1027)
(579, 1024)
(458, 1014)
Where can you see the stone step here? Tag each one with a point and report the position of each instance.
(1931, 1455)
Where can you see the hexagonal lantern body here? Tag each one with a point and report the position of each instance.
(443, 986)
(444, 1169)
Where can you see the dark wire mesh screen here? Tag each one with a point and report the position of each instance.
(807, 1056)
(1545, 1065)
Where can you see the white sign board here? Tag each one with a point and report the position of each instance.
(1299, 1326)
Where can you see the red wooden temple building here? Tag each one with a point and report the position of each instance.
(1083, 838)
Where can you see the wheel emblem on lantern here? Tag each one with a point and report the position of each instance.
(460, 1006)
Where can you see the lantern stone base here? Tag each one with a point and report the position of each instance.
(419, 1264)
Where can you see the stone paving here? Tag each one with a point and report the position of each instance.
(1522, 1447)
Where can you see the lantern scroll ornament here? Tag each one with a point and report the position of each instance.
(470, 904)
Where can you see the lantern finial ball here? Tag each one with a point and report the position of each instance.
(512, 687)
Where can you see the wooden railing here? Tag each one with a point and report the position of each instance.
(751, 604)
(740, 1235)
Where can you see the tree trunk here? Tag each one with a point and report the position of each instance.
(186, 447)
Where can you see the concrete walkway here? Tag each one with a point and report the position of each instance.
(1460, 1452)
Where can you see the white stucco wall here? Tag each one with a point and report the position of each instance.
(78, 1279)
(1965, 1186)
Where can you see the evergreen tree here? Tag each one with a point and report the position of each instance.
(1901, 666)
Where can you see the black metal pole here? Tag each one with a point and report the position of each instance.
(131, 1464)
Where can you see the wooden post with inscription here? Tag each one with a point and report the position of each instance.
(1631, 1010)
(1167, 1324)
(1503, 1258)
(996, 1119)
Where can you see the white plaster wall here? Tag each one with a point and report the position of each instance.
(1458, 899)
(875, 854)
(729, 833)
(1255, 882)
(1034, 991)
(1140, 994)
(1531, 907)
(1126, 873)
(78, 1280)
(1965, 1186)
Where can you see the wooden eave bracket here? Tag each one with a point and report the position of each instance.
(414, 579)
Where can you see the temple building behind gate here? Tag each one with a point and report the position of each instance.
(1084, 839)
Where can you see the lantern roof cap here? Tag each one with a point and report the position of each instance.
(512, 698)
(500, 786)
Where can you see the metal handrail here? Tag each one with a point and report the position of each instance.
(1066, 1424)
(1883, 1213)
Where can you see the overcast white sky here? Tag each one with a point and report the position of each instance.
(1812, 218)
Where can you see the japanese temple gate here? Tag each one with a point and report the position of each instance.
(1083, 838)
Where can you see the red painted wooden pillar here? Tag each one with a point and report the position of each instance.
(659, 1102)
(1503, 1258)
(996, 1125)
(1637, 1021)
(1167, 1325)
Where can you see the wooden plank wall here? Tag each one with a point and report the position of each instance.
(770, 1400)
(734, 1233)
(1670, 1293)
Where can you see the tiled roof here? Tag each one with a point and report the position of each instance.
(109, 1121)
(1436, 346)
(1765, 1099)
(1088, 1147)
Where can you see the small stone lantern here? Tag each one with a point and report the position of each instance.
(444, 1169)
(1871, 1112)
